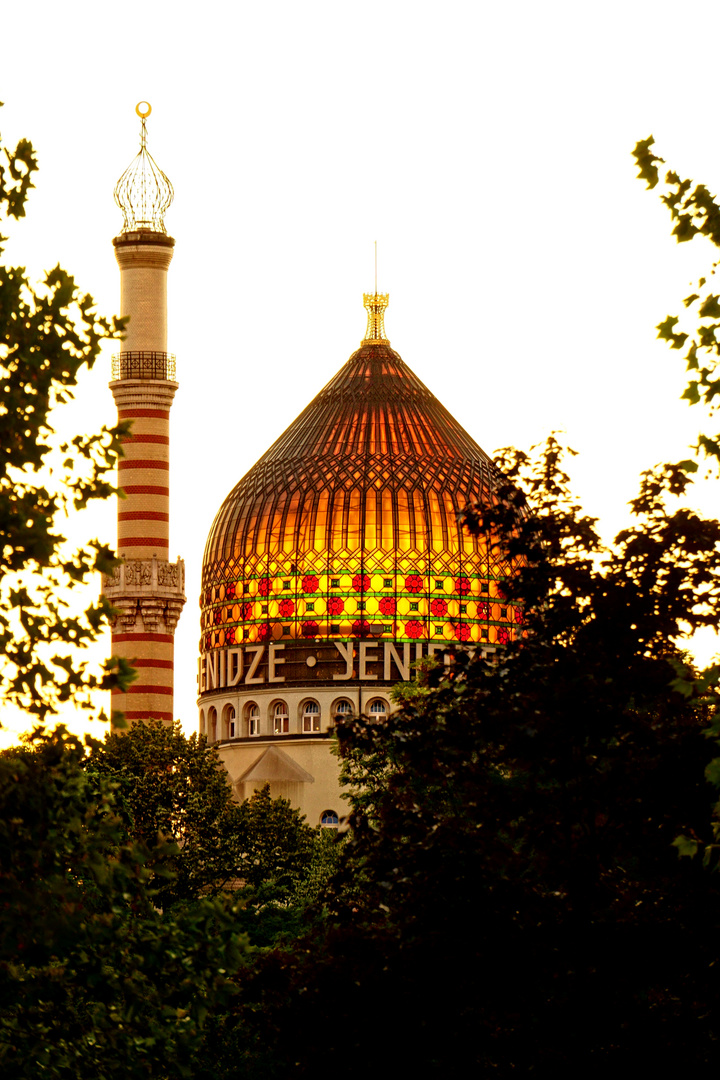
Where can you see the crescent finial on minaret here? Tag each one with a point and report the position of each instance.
(143, 192)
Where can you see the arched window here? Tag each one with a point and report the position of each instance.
(212, 725)
(377, 709)
(329, 820)
(229, 729)
(202, 722)
(343, 709)
(281, 719)
(252, 711)
(311, 717)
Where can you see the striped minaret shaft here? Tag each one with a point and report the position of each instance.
(143, 395)
(147, 590)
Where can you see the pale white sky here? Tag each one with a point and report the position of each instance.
(486, 147)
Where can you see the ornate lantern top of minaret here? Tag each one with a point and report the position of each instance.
(143, 192)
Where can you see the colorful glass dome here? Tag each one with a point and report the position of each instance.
(348, 526)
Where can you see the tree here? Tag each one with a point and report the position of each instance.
(49, 334)
(277, 842)
(695, 213)
(96, 979)
(522, 906)
(135, 892)
(175, 787)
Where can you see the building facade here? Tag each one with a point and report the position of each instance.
(333, 565)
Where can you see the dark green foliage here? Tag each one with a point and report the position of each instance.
(521, 906)
(173, 798)
(94, 979)
(284, 869)
(132, 885)
(277, 842)
(174, 787)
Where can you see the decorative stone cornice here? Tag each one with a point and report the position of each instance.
(157, 393)
(142, 255)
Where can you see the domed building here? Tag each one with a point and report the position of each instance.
(336, 562)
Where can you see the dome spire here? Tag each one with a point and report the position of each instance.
(143, 192)
(375, 304)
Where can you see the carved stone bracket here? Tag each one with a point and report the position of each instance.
(147, 594)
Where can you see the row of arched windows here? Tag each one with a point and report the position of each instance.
(278, 720)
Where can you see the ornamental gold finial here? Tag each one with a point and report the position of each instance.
(143, 192)
(375, 304)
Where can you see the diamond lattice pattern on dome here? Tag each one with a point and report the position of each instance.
(348, 526)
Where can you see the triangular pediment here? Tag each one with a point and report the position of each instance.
(274, 765)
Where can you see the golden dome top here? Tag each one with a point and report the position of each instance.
(348, 524)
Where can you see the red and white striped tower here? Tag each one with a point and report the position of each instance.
(147, 590)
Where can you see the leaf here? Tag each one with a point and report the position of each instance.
(710, 308)
(685, 229)
(646, 161)
(685, 687)
(666, 332)
(711, 447)
(686, 847)
(712, 772)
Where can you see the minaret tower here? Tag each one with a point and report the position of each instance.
(147, 589)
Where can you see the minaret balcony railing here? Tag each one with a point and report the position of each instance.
(143, 365)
